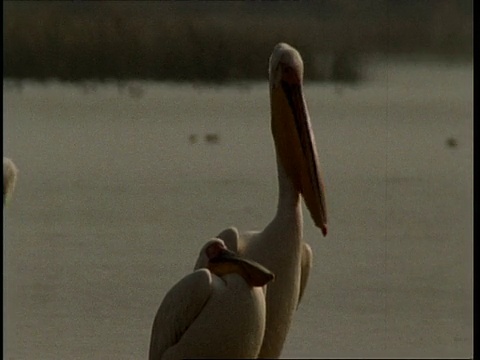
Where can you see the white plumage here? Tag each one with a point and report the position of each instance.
(280, 246)
(215, 312)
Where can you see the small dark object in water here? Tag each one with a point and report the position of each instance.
(135, 90)
(452, 142)
(212, 138)
(192, 138)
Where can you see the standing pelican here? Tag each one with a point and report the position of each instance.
(280, 246)
(215, 312)
(9, 178)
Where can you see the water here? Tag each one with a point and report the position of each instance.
(113, 204)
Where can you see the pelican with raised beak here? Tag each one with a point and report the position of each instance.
(280, 246)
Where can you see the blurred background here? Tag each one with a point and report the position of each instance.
(225, 41)
(141, 130)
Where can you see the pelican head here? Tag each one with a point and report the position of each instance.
(291, 129)
(285, 65)
(221, 262)
(9, 178)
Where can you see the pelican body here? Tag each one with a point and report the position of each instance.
(215, 312)
(9, 178)
(280, 246)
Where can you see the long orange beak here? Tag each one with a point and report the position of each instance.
(310, 180)
(291, 128)
(227, 262)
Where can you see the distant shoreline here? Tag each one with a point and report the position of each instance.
(168, 41)
(372, 72)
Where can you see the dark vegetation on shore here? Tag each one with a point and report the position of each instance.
(224, 41)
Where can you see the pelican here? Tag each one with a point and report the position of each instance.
(9, 178)
(215, 312)
(280, 246)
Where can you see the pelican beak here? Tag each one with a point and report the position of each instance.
(227, 262)
(291, 129)
(310, 181)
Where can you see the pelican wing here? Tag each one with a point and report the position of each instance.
(306, 265)
(178, 310)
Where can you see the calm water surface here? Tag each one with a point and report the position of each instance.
(114, 202)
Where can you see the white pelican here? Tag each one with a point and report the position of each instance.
(215, 312)
(280, 246)
(9, 178)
